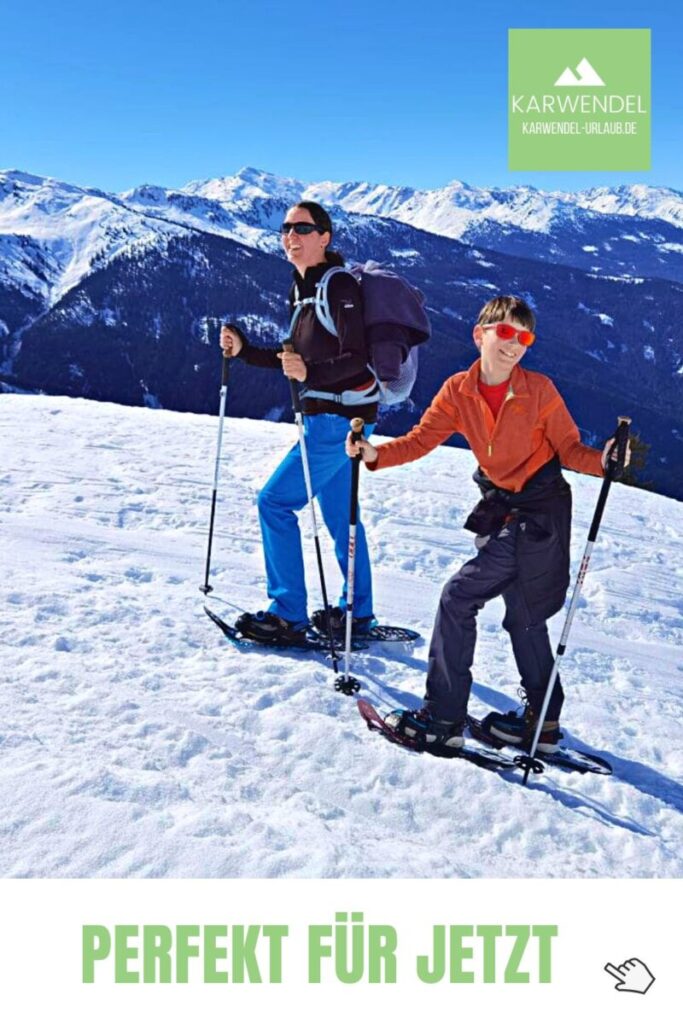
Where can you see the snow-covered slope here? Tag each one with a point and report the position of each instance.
(454, 209)
(73, 229)
(247, 207)
(247, 185)
(136, 742)
(635, 201)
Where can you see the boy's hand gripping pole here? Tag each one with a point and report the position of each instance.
(299, 420)
(346, 683)
(614, 469)
(207, 588)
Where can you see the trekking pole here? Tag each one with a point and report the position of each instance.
(346, 683)
(207, 588)
(613, 471)
(299, 420)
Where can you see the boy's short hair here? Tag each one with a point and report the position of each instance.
(504, 306)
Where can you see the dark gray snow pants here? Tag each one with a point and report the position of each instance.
(491, 573)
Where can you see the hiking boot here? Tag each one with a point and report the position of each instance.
(433, 734)
(519, 727)
(360, 626)
(267, 628)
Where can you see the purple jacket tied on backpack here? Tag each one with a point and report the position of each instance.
(394, 316)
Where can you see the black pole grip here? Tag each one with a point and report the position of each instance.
(357, 425)
(220, 324)
(293, 389)
(621, 441)
(240, 334)
(226, 361)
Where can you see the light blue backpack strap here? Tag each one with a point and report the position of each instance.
(322, 302)
(295, 312)
(293, 320)
(298, 306)
(323, 311)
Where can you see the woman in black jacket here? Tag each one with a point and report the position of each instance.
(336, 385)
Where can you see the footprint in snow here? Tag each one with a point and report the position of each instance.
(139, 575)
(75, 556)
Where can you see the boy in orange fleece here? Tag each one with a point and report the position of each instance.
(521, 433)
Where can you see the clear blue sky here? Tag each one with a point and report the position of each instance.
(164, 93)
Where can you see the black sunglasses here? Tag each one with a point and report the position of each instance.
(300, 227)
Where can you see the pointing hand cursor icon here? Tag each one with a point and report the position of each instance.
(631, 976)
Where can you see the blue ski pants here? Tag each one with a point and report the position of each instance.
(284, 495)
(492, 573)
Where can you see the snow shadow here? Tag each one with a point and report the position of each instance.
(594, 810)
(640, 776)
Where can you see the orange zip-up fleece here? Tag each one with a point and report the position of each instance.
(532, 426)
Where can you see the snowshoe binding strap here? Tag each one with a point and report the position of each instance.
(424, 732)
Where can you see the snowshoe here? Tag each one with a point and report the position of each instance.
(518, 728)
(492, 760)
(310, 642)
(565, 758)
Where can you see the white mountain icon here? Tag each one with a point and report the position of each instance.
(587, 75)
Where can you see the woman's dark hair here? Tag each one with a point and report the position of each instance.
(321, 219)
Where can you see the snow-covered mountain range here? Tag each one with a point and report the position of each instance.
(77, 229)
(454, 209)
(633, 229)
(113, 296)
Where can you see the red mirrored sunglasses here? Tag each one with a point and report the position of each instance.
(506, 332)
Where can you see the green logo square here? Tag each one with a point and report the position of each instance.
(579, 99)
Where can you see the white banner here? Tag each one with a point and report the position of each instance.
(337, 950)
